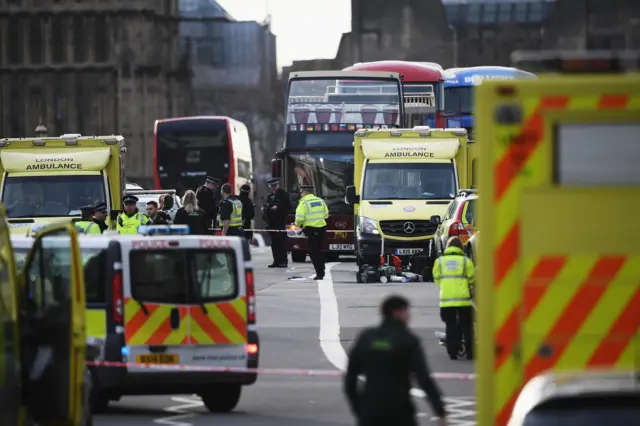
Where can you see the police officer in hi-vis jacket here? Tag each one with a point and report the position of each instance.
(311, 216)
(130, 219)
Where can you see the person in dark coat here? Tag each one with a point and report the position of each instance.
(274, 212)
(388, 356)
(209, 199)
(100, 216)
(193, 216)
(248, 211)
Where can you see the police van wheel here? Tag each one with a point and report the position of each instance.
(298, 257)
(99, 403)
(221, 399)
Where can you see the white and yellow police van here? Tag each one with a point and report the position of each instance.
(164, 299)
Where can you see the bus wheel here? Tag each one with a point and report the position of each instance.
(298, 256)
(221, 399)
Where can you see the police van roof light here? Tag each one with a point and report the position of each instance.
(39, 143)
(164, 230)
(71, 142)
(577, 61)
(396, 133)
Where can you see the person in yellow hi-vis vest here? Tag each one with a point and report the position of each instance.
(230, 213)
(130, 219)
(455, 274)
(311, 216)
(86, 224)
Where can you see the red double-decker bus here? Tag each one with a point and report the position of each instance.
(422, 85)
(318, 145)
(188, 149)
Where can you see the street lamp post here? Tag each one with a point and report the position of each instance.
(41, 129)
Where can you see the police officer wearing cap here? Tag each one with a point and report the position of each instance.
(100, 216)
(311, 216)
(85, 225)
(130, 219)
(274, 213)
(248, 211)
(230, 213)
(209, 198)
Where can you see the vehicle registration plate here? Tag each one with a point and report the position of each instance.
(404, 252)
(158, 359)
(341, 247)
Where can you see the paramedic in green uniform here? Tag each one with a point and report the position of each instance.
(311, 216)
(86, 224)
(130, 219)
(231, 213)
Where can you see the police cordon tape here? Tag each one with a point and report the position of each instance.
(269, 371)
(292, 231)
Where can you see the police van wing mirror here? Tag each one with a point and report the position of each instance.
(436, 219)
(113, 215)
(350, 195)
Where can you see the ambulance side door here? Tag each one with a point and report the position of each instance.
(52, 323)
(9, 338)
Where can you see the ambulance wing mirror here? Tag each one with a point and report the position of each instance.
(436, 219)
(350, 195)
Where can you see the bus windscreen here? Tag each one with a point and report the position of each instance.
(323, 102)
(189, 150)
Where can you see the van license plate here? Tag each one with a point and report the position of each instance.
(404, 252)
(341, 247)
(158, 359)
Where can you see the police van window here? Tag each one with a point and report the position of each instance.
(51, 196)
(183, 276)
(93, 260)
(48, 280)
(409, 181)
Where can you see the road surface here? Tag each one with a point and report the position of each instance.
(309, 325)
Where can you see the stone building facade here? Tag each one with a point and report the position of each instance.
(93, 67)
(458, 33)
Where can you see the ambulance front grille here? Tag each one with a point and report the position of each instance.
(399, 228)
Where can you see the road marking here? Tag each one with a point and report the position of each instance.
(175, 420)
(330, 325)
(458, 414)
(329, 321)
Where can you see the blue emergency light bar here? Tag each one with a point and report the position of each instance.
(163, 230)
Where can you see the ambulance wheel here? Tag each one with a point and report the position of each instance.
(298, 256)
(221, 398)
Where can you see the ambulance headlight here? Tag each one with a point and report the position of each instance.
(163, 230)
(368, 226)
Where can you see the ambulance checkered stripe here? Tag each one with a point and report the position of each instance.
(561, 311)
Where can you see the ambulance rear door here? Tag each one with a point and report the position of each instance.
(560, 252)
(185, 300)
(52, 327)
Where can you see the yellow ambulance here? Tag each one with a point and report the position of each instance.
(559, 285)
(404, 179)
(47, 179)
(43, 375)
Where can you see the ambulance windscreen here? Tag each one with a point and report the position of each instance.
(51, 196)
(409, 181)
(184, 276)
